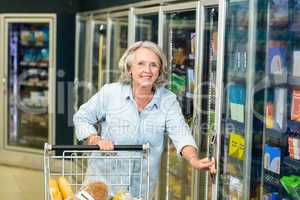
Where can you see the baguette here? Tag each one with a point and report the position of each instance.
(54, 190)
(65, 188)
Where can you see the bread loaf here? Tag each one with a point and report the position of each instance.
(54, 190)
(98, 190)
(94, 190)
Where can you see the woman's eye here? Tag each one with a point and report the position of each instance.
(141, 64)
(154, 65)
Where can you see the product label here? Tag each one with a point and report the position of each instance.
(236, 146)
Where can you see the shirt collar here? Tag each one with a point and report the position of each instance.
(154, 102)
(128, 92)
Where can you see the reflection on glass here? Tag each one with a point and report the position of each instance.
(119, 42)
(180, 48)
(82, 76)
(208, 86)
(28, 68)
(147, 28)
(99, 56)
(233, 131)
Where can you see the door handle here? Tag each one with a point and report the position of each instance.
(211, 149)
(4, 85)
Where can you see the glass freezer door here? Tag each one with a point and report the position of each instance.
(29, 84)
(91, 55)
(118, 45)
(207, 87)
(179, 46)
(147, 27)
(281, 168)
(241, 129)
(231, 166)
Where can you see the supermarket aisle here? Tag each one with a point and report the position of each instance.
(21, 184)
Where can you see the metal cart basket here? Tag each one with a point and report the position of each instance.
(125, 169)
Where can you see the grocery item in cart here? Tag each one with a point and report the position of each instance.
(124, 196)
(93, 191)
(54, 190)
(65, 188)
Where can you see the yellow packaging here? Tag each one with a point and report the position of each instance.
(236, 146)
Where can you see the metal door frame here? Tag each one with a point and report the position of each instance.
(219, 90)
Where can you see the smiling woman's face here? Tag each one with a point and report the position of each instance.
(144, 68)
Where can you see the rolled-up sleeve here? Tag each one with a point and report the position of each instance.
(89, 114)
(177, 128)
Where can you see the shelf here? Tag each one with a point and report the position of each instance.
(33, 85)
(235, 161)
(273, 80)
(293, 127)
(41, 108)
(236, 79)
(34, 46)
(272, 174)
(294, 81)
(277, 133)
(291, 166)
(276, 138)
(236, 124)
(34, 64)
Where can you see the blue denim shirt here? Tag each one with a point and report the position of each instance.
(115, 108)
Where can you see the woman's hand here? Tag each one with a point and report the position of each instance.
(204, 164)
(106, 145)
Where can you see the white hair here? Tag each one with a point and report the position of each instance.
(128, 56)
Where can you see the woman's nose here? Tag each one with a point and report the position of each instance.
(147, 68)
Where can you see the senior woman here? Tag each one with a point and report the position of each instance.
(138, 110)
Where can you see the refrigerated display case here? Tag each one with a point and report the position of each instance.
(179, 46)
(29, 77)
(240, 108)
(281, 158)
(261, 56)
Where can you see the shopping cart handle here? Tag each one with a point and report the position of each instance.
(96, 147)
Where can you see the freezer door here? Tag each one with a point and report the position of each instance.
(179, 46)
(29, 76)
(239, 116)
(207, 95)
(29, 83)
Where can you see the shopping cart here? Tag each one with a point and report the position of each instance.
(124, 169)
